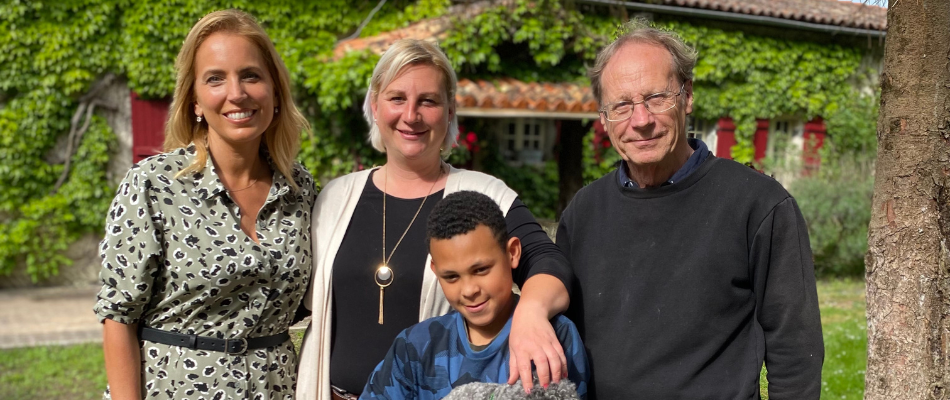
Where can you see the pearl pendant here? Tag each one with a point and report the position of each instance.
(384, 275)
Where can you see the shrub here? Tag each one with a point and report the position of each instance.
(836, 203)
(537, 185)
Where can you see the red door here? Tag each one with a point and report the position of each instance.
(148, 126)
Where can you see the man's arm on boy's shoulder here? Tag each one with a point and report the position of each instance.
(544, 276)
(578, 369)
(388, 380)
(531, 338)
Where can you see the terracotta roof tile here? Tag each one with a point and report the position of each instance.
(429, 29)
(508, 93)
(826, 12)
(511, 94)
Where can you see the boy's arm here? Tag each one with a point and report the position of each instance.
(388, 380)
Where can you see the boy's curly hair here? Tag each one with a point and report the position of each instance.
(461, 212)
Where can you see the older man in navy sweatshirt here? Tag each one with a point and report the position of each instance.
(691, 271)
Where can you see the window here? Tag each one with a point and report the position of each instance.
(785, 140)
(784, 149)
(705, 130)
(527, 140)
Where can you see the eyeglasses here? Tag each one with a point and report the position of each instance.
(655, 103)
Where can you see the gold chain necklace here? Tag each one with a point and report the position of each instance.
(253, 182)
(384, 274)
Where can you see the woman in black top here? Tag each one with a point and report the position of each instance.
(369, 231)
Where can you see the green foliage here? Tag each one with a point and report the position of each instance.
(400, 14)
(747, 77)
(52, 51)
(836, 204)
(536, 185)
(528, 40)
(337, 84)
(49, 54)
(598, 157)
(853, 129)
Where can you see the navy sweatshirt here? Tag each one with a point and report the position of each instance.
(683, 291)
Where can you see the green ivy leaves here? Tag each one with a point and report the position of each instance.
(51, 52)
(747, 77)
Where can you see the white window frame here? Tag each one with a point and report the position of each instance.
(705, 130)
(785, 162)
(526, 140)
(787, 132)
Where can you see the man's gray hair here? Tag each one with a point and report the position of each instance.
(639, 31)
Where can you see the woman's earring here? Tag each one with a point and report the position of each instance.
(199, 119)
(276, 110)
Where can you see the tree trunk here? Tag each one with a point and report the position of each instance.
(908, 262)
(570, 159)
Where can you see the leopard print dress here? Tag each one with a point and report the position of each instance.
(174, 258)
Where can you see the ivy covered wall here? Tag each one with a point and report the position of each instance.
(51, 53)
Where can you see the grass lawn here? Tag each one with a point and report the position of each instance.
(52, 372)
(843, 322)
(843, 325)
(76, 372)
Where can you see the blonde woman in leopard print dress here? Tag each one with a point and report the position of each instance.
(207, 249)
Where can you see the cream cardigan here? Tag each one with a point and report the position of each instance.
(331, 217)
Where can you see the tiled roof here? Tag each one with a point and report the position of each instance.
(508, 93)
(430, 29)
(427, 29)
(569, 98)
(825, 12)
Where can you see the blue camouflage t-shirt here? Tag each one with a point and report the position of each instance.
(429, 359)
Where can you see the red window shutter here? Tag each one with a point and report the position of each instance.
(148, 126)
(814, 135)
(725, 137)
(761, 138)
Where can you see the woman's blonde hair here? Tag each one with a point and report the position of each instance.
(282, 137)
(403, 53)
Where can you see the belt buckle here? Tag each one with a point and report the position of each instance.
(227, 349)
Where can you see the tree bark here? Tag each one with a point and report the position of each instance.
(908, 262)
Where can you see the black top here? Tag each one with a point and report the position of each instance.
(682, 291)
(358, 342)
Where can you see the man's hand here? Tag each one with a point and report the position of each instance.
(532, 338)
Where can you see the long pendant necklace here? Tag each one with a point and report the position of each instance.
(384, 274)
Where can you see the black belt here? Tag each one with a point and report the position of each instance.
(236, 346)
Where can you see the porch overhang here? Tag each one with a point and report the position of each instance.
(511, 98)
(520, 113)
